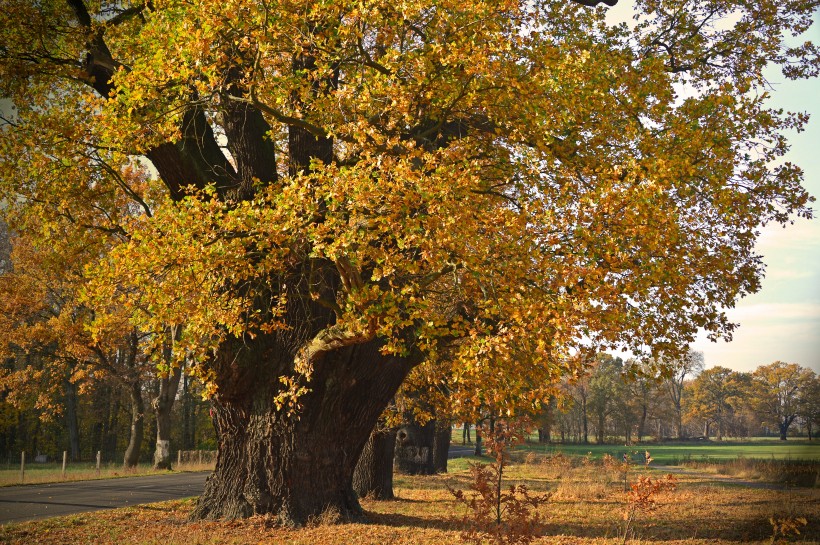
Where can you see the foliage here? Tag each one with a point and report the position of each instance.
(785, 527)
(776, 390)
(715, 394)
(605, 209)
(494, 515)
(642, 498)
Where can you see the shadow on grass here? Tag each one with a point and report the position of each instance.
(744, 532)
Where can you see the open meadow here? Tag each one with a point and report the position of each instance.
(586, 504)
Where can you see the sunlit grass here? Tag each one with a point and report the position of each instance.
(52, 473)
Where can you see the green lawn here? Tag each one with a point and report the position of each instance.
(674, 453)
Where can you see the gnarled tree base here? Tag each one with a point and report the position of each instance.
(297, 468)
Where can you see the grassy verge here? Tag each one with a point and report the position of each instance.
(52, 473)
(586, 507)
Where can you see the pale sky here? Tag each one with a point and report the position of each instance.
(782, 320)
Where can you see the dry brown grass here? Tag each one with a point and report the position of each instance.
(586, 508)
(803, 473)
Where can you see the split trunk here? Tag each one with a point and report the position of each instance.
(296, 467)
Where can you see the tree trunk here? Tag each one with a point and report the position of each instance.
(112, 425)
(642, 424)
(477, 440)
(679, 422)
(441, 446)
(784, 427)
(72, 423)
(296, 467)
(545, 431)
(163, 404)
(414, 449)
(132, 453)
(373, 476)
(585, 420)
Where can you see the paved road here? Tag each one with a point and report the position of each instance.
(18, 503)
(458, 451)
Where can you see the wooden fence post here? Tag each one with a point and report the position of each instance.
(98, 463)
(23, 466)
(65, 455)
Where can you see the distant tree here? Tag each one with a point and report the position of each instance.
(606, 389)
(675, 373)
(809, 403)
(578, 391)
(713, 397)
(642, 393)
(776, 391)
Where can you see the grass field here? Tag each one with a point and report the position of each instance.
(676, 453)
(50, 472)
(671, 453)
(586, 507)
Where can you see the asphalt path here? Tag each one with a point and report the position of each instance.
(19, 503)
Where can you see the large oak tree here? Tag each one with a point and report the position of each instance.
(345, 188)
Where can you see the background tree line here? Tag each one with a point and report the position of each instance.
(630, 401)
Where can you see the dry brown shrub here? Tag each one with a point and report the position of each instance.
(531, 458)
(494, 515)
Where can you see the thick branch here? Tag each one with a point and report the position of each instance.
(197, 159)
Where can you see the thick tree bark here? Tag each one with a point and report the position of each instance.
(414, 449)
(373, 476)
(297, 466)
(132, 453)
(477, 451)
(441, 445)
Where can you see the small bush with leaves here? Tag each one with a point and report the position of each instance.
(493, 514)
(785, 527)
(642, 498)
